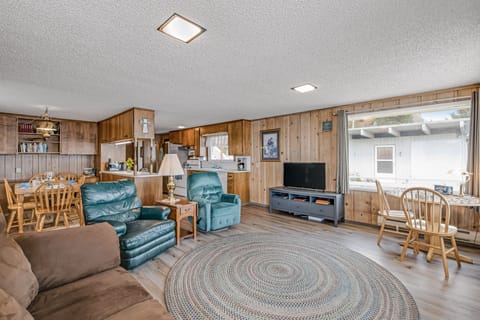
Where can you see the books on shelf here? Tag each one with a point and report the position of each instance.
(300, 199)
(322, 201)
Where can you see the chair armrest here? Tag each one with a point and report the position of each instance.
(154, 213)
(63, 256)
(230, 197)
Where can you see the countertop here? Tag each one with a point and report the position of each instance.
(130, 174)
(217, 170)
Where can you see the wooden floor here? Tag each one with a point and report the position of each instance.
(458, 298)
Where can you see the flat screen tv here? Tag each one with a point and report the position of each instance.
(309, 175)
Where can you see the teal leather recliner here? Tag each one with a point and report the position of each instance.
(144, 232)
(216, 210)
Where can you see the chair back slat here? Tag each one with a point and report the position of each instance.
(430, 211)
(53, 197)
(383, 206)
(11, 199)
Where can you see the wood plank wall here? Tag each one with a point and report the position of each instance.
(31, 164)
(302, 139)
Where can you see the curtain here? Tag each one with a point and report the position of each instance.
(342, 152)
(216, 140)
(473, 164)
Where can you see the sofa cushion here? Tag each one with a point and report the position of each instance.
(146, 310)
(16, 276)
(12, 310)
(96, 297)
(74, 257)
(140, 232)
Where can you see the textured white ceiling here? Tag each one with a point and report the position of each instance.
(91, 59)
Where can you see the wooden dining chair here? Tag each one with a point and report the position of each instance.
(69, 176)
(39, 177)
(53, 199)
(77, 212)
(430, 216)
(387, 215)
(13, 208)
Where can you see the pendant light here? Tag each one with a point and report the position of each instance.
(45, 125)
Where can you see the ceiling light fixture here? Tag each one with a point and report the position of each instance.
(181, 127)
(45, 125)
(305, 88)
(181, 28)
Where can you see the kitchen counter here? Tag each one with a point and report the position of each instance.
(149, 185)
(130, 174)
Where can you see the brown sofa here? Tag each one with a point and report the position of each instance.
(70, 274)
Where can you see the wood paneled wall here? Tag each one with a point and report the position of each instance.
(31, 164)
(302, 139)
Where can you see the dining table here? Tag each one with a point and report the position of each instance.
(453, 200)
(25, 189)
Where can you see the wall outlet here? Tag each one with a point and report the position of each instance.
(18, 170)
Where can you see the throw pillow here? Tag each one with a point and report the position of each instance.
(11, 309)
(16, 276)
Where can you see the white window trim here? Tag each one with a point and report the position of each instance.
(385, 175)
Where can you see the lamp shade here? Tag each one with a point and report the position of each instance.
(170, 166)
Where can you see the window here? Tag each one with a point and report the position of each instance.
(217, 146)
(421, 146)
(384, 161)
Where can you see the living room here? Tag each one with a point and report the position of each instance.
(89, 62)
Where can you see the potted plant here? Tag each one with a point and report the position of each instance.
(130, 163)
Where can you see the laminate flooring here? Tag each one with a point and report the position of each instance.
(456, 298)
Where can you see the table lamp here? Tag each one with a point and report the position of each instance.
(171, 167)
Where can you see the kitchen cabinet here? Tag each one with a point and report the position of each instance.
(124, 125)
(184, 137)
(8, 133)
(135, 123)
(143, 123)
(214, 128)
(239, 138)
(239, 183)
(78, 137)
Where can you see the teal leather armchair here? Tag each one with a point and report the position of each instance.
(216, 210)
(143, 231)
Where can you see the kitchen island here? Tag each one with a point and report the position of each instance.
(149, 185)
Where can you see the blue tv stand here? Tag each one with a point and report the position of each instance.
(308, 202)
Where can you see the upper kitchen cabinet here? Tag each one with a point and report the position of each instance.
(143, 123)
(239, 138)
(184, 137)
(135, 123)
(78, 137)
(8, 133)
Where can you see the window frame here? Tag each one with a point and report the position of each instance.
(385, 175)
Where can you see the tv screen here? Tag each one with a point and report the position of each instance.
(310, 175)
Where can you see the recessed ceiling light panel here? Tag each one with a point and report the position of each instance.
(181, 127)
(181, 28)
(305, 88)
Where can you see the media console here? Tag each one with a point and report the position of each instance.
(308, 202)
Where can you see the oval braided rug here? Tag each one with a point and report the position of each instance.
(270, 276)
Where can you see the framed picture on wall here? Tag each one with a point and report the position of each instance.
(270, 145)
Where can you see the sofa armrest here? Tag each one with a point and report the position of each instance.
(230, 197)
(154, 213)
(63, 256)
(120, 227)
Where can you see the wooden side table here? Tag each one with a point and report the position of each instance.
(182, 209)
